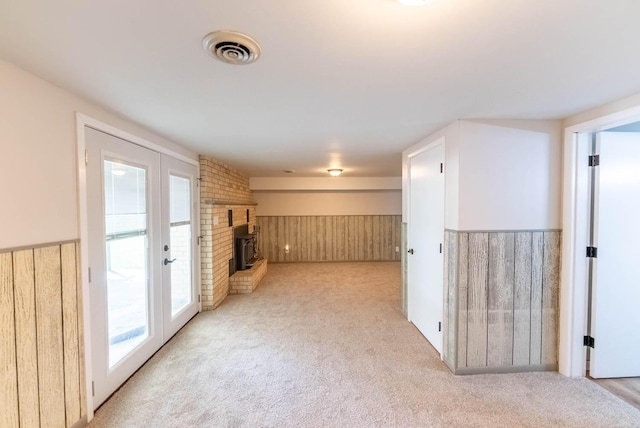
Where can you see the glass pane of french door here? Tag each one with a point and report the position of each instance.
(180, 242)
(179, 226)
(126, 244)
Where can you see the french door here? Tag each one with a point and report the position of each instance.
(141, 218)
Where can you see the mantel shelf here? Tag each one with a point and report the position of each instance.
(246, 204)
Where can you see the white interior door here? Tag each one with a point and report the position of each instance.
(142, 255)
(425, 239)
(615, 321)
(180, 296)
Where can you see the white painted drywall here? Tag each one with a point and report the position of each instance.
(510, 175)
(499, 174)
(325, 183)
(38, 167)
(294, 203)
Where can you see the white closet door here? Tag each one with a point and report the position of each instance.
(425, 237)
(616, 286)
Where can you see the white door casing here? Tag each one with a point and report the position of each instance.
(425, 241)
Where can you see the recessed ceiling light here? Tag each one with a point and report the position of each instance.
(414, 2)
(335, 171)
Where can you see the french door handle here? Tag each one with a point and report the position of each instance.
(167, 261)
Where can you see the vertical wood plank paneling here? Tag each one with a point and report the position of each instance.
(369, 237)
(313, 239)
(522, 300)
(265, 237)
(377, 238)
(388, 237)
(392, 238)
(273, 240)
(352, 230)
(550, 283)
(304, 241)
(261, 239)
(477, 300)
(320, 234)
(537, 260)
(398, 237)
(329, 238)
(49, 336)
(341, 238)
(282, 237)
(8, 373)
(500, 300)
(446, 351)
(70, 333)
(81, 349)
(359, 237)
(293, 241)
(26, 348)
(451, 306)
(463, 264)
(284, 233)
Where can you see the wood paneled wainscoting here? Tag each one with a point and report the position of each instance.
(329, 238)
(501, 301)
(41, 345)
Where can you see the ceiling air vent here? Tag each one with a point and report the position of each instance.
(231, 47)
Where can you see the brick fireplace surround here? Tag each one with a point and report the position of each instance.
(222, 189)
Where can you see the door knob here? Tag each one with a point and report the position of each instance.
(410, 251)
(167, 261)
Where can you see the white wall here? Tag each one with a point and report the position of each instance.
(294, 203)
(510, 175)
(325, 183)
(499, 174)
(38, 168)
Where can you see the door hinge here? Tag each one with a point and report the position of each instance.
(439, 325)
(86, 157)
(89, 274)
(441, 168)
(589, 341)
(592, 252)
(198, 298)
(440, 248)
(594, 160)
(93, 389)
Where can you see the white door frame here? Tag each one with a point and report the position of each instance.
(575, 220)
(83, 120)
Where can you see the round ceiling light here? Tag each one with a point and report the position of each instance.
(335, 171)
(231, 47)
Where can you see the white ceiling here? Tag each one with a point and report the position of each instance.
(347, 83)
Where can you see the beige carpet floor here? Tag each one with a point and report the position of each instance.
(325, 345)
